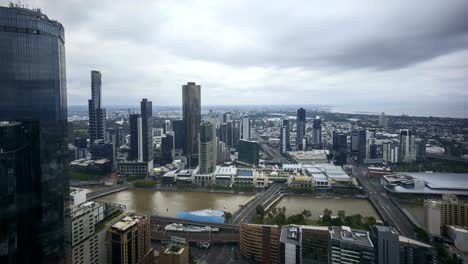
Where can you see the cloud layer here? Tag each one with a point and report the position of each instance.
(267, 52)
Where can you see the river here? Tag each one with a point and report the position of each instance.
(296, 204)
(167, 203)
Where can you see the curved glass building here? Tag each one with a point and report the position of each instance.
(33, 88)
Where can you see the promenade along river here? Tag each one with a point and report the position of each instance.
(167, 203)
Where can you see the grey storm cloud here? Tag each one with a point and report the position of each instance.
(328, 52)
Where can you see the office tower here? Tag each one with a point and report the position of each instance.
(390, 152)
(207, 148)
(191, 114)
(287, 125)
(97, 114)
(134, 135)
(383, 120)
(147, 127)
(415, 252)
(227, 117)
(179, 134)
(249, 152)
(386, 243)
(33, 87)
(361, 154)
(100, 150)
(130, 240)
(167, 148)
(317, 131)
(119, 137)
(229, 126)
(88, 240)
(304, 244)
(260, 243)
(245, 128)
(407, 146)
(301, 128)
(236, 133)
(222, 131)
(283, 146)
(354, 141)
(167, 126)
(81, 148)
(223, 153)
(420, 149)
(340, 148)
(350, 246)
(448, 211)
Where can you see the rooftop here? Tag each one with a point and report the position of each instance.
(348, 235)
(128, 222)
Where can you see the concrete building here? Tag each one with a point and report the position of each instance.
(432, 217)
(85, 246)
(286, 135)
(260, 243)
(390, 152)
(134, 168)
(310, 157)
(207, 148)
(350, 246)
(191, 116)
(448, 211)
(415, 252)
(304, 244)
(459, 236)
(129, 240)
(300, 128)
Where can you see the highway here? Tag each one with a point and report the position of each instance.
(271, 152)
(390, 213)
(247, 212)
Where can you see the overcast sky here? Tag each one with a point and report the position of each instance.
(266, 52)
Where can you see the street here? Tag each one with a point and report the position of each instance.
(379, 198)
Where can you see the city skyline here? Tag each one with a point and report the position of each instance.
(332, 55)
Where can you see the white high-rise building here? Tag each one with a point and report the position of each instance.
(383, 120)
(407, 146)
(207, 148)
(140, 138)
(245, 133)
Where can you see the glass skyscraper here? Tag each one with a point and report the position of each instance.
(191, 114)
(97, 114)
(33, 88)
(147, 129)
(301, 128)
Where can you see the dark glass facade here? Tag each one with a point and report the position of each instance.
(133, 155)
(179, 133)
(33, 87)
(147, 129)
(97, 114)
(191, 114)
(249, 152)
(300, 127)
(19, 167)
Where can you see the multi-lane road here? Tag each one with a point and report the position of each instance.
(382, 202)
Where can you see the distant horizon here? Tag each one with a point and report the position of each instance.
(461, 114)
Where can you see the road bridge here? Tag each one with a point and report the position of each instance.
(265, 199)
(382, 202)
(106, 191)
